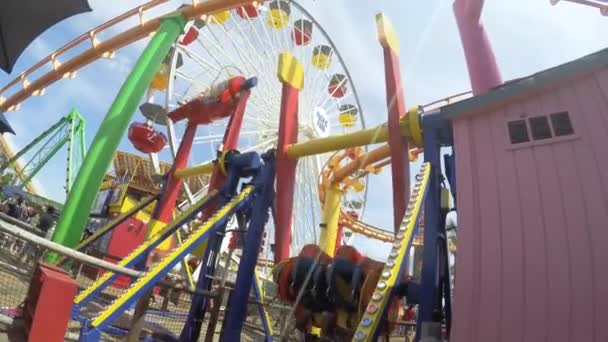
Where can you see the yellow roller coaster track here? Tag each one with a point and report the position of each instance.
(360, 165)
(394, 266)
(22, 87)
(326, 179)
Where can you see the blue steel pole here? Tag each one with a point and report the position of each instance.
(238, 165)
(192, 327)
(259, 217)
(432, 215)
(447, 293)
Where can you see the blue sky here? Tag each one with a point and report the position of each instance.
(527, 36)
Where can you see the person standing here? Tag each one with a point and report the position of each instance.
(47, 222)
(15, 208)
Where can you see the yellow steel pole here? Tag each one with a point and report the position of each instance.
(202, 169)
(410, 129)
(338, 142)
(331, 218)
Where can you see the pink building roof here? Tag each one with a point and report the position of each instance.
(525, 86)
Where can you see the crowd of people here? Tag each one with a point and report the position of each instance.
(40, 217)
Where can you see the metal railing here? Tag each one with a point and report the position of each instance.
(21, 246)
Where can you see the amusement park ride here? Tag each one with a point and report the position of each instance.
(68, 130)
(331, 286)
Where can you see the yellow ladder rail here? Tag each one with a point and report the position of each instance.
(110, 225)
(260, 292)
(154, 272)
(83, 295)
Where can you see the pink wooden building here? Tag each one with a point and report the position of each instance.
(532, 175)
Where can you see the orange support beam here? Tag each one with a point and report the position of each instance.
(369, 158)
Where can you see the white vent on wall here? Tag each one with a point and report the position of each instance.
(518, 132)
(561, 124)
(540, 128)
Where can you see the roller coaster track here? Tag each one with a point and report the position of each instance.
(22, 87)
(349, 174)
(100, 49)
(359, 227)
(395, 266)
(145, 283)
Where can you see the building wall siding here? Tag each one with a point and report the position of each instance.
(533, 222)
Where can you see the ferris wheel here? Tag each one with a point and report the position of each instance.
(247, 42)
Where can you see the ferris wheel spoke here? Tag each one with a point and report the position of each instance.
(261, 108)
(306, 52)
(184, 76)
(333, 111)
(311, 76)
(333, 114)
(328, 96)
(254, 29)
(215, 43)
(271, 87)
(276, 35)
(312, 191)
(285, 29)
(265, 121)
(202, 62)
(311, 198)
(320, 75)
(321, 91)
(262, 145)
(209, 68)
(275, 50)
(261, 123)
(248, 21)
(311, 102)
(221, 66)
(244, 66)
(257, 67)
(219, 137)
(271, 62)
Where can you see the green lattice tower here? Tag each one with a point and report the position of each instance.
(69, 130)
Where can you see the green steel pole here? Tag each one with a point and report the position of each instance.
(83, 149)
(69, 179)
(40, 163)
(75, 158)
(78, 205)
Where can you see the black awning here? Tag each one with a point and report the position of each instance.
(22, 21)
